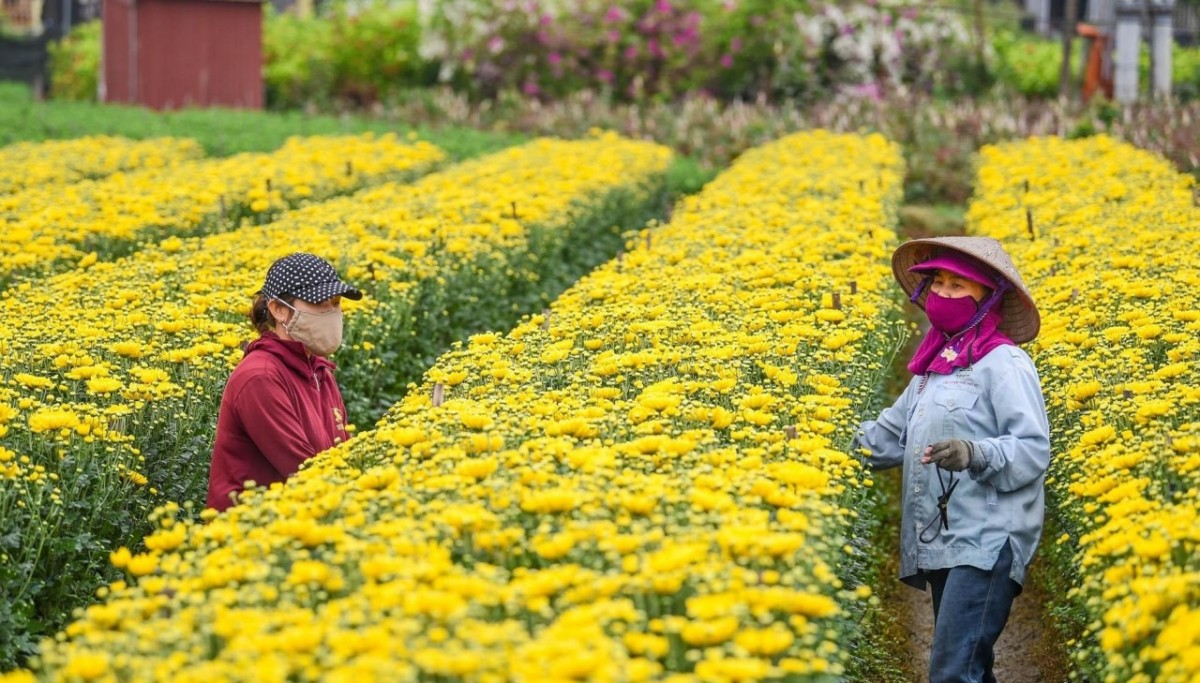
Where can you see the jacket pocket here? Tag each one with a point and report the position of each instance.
(956, 399)
(954, 406)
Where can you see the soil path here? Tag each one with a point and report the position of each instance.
(1018, 653)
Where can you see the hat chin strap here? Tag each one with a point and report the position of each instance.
(921, 288)
(990, 303)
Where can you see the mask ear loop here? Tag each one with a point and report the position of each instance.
(295, 314)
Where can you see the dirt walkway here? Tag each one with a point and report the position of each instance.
(1017, 656)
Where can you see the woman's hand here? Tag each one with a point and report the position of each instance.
(955, 455)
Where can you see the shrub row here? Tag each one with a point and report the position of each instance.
(56, 227)
(30, 164)
(1107, 236)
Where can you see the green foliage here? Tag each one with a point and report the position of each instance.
(687, 175)
(220, 131)
(358, 59)
(75, 64)
(1030, 65)
(882, 652)
(63, 558)
(1185, 72)
(296, 68)
(374, 53)
(746, 37)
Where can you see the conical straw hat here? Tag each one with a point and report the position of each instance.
(1021, 319)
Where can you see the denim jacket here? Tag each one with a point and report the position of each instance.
(997, 405)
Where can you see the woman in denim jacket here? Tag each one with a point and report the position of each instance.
(972, 435)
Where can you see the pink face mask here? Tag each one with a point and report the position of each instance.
(949, 316)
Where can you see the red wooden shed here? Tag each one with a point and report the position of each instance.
(168, 54)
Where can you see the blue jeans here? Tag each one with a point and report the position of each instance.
(970, 607)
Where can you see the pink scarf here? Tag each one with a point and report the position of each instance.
(941, 355)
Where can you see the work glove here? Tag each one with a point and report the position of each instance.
(955, 455)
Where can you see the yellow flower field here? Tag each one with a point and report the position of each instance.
(1113, 263)
(51, 228)
(647, 482)
(110, 374)
(176, 312)
(31, 164)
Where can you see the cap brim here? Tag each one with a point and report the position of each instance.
(1021, 320)
(322, 292)
(956, 266)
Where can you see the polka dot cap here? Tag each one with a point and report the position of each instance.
(306, 277)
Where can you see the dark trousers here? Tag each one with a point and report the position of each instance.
(970, 607)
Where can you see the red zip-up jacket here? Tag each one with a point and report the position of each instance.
(280, 407)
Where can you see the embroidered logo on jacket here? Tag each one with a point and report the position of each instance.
(339, 421)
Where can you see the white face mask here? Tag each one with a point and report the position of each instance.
(321, 333)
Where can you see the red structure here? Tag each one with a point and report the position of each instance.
(1097, 76)
(168, 54)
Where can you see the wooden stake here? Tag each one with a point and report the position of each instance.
(1070, 14)
(837, 300)
(1127, 393)
(1074, 294)
(545, 318)
(647, 240)
(514, 210)
(439, 394)
(1029, 224)
(349, 167)
(790, 432)
(1027, 186)
(268, 184)
(854, 286)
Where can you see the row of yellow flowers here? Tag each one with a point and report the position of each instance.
(110, 374)
(52, 227)
(30, 164)
(647, 481)
(1108, 237)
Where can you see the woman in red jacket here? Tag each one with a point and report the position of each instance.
(281, 405)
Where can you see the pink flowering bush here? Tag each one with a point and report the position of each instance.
(665, 48)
